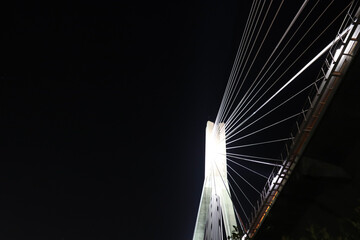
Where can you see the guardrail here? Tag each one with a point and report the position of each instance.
(330, 75)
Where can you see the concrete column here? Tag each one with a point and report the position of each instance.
(215, 183)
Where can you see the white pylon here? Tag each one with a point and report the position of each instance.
(215, 182)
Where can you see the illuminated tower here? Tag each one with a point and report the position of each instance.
(215, 200)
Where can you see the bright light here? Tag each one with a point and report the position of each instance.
(337, 54)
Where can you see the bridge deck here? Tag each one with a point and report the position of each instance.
(340, 57)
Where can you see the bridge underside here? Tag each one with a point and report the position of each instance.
(323, 188)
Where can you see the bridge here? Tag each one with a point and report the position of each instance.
(232, 193)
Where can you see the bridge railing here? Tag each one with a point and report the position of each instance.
(335, 64)
(330, 62)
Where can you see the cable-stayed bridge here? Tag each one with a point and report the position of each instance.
(247, 163)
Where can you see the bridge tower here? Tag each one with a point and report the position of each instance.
(216, 208)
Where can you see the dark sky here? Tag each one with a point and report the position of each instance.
(103, 110)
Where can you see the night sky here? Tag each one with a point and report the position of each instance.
(103, 111)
